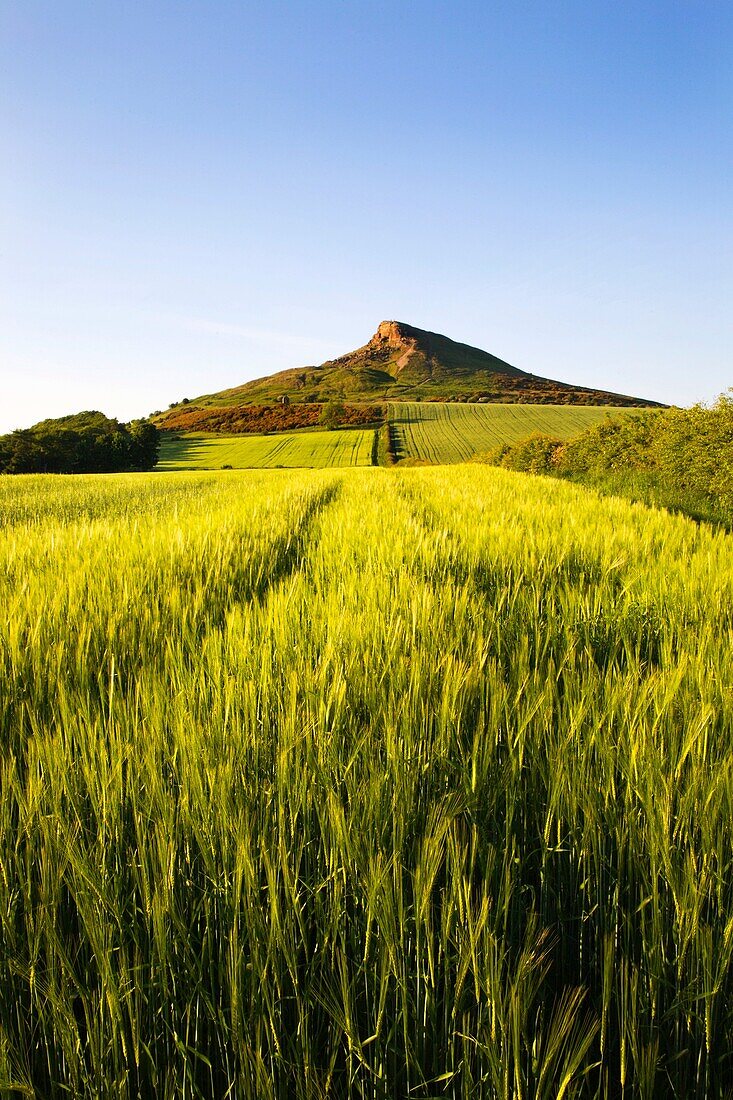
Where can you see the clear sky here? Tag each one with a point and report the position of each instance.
(198, 192)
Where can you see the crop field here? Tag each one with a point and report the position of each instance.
(362, 783)
(434, 432)
(300, 449)
(446, 433)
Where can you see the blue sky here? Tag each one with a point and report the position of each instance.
(197, 193)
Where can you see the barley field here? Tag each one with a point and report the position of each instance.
(443, 433)
(362, 783)
(197, 451)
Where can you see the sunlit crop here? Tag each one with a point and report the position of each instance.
(351, 447)
(440, 433)
(364, 783)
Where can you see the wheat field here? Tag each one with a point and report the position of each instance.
(443, 433)
(309, 449)
(363, 783)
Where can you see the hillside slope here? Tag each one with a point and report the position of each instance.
(399, 362)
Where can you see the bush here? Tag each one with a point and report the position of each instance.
(621, 443)
(332, 414)
(681, 458)
(536, 454)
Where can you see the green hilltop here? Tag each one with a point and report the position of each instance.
(402, 363)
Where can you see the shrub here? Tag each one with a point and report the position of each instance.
(332, 414)
(679, 457)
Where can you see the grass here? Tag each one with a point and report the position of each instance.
(367, 783)
(197, 451)
(447, 433)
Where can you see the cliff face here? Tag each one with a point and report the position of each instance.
(391, 333)
(391, 337)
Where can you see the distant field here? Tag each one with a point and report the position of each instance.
(435, 432)
(446, 433)
(314, 449)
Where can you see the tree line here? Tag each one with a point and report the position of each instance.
(678, 458)
(86, 442)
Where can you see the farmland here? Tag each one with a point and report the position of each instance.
(443, 433)
(363, 783)
(298, 449)
(433, 432)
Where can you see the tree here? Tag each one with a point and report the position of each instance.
(86, 442)
(145, 440)
(332, 413)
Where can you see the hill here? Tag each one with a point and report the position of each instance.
(399, 363)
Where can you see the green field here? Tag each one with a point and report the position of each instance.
(363, 783)
(198, 451)
(433, 432)
(446, 433)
